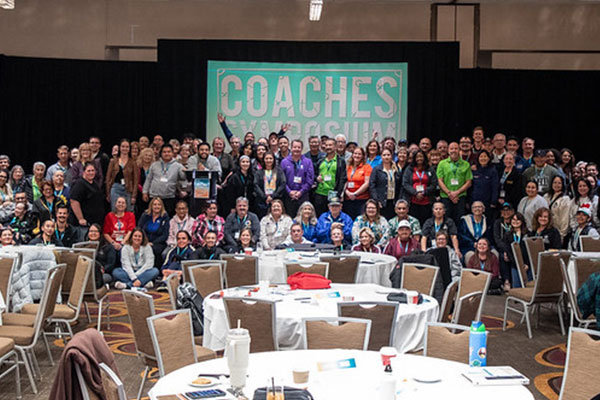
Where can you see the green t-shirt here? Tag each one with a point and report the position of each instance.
(327, 170)
(454, 175)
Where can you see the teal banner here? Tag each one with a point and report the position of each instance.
(315, 99)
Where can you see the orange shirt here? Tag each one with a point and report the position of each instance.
(356, 178)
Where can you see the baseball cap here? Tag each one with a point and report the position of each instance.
(404, 224)
(335, 201)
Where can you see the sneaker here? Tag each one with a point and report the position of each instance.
(149, 285)
(120, 285)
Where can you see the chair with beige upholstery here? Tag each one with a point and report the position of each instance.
(140, 307)
(240, 270)
(112, 385)
(342, 269)
(589, 244)
(448, 302)
(86, 392)
(8, 263)
(187, 264)
(383, 316)
(468, 308)
(520, 262)
(9, 361)
(70, 257)
(172, 285)
(173, 345)
(321, 268)
(26, 337)
(98, 296)
(447, 341)
(90, 244)
(584, 267)
(259, 317)
(473, 281)
(336, 333)
(419, 277)
(575, 311)
(534, 246)
(580, 379)
(206, 278)
(548, 288)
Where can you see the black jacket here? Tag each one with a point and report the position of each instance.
(407, 183)
(512, 187)
(260, 196)
(378, 185)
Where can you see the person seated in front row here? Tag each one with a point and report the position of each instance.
(436, 223)
(296, 236)
(209, 221)
(7, 237)
(333, 216)
(454, 264)
(64, 231)
(182, 252)
(337, 238)
(366, 241)
(137, 263)
(485, 260)
(238, 220)
(106, 256)
(47, 236)
(403, 244)
(584, 228)
(542, 227)
(155, 224)
(181, 221)
(473, 227)
(210, 250)
(245, 242)
(401, 209)
(275, 226)
(308, 219)
(372, 219)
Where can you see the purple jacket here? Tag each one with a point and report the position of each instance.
(299, 176)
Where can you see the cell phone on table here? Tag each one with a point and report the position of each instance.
(204, 394)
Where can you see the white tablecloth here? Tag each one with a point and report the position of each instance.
(373, 268)
(361, 382)
(410, 324)
(571, 266)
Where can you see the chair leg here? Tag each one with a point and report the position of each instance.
(146, 371)
(560, 318)
(87, 312)
(526, 312)
(505, 313)
(28, 369)
(36, 364)
(48, 348)
(17, 377)
(108, 313)
(100, 315)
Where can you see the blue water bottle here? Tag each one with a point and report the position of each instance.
(477, 344)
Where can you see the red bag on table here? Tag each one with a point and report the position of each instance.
(304, 280)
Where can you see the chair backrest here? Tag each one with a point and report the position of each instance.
(448, 301)
(90, 244)
(8, 263)
(347, 333)
(70, 257)
(534, 246)
(571, 294)
(383, 316)
(86, 392)
(580, 379)
(112, 385)
(53, 289)
(140, 307)
(520, 261)
(172, 285)
(589, 243)
(342, 269)
(187, 264)
(549, 283)
(259, 317)
(240, 270)
(584, 267)
(419, 277)
(207, 278)
(173, 340)
(83, 269)
(468, 308)
(321, 268)
(447, 341)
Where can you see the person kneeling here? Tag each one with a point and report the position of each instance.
(137, 263)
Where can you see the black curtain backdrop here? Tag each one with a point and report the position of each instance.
(432, 76)
(48, 102)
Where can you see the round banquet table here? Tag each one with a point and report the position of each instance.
(373, 268)
(361, 382)
(410, 323)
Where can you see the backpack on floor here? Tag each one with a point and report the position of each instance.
(189, 298)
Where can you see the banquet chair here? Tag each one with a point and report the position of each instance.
(86, 391)
(419, 277)
(447, 341)
(520, 262)
(140, 307)
(240, 270)
(316, 268)
(8, 264)
(580, 379)
(548, 288)
(26, 337)
(174, 348)
(258, 316)
(9, 357)
(187, 264)
(534, 246)
(206, 278)
(112, 385)
(342, 269)
(70, 257)
(347, 333)
(584, 267)
(448, 302)
(172, 285)
(468, 308)
(575, 311)
(474, 281)
(383, 316)
(589, 244)
(90, 244)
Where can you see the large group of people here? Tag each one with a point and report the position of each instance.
(473, 197)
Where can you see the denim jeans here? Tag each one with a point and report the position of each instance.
(516, 282)
(120, 275)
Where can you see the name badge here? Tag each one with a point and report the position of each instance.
(327, 178)
(123, 182)
(236, 235)
(420, 188)
(502, 194)
(164, 179)
(297, 179)
(350, 185)
(119, 238)
(454, 182)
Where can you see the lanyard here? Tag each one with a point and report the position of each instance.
(540, 173)
(243, 179)
(59, 235)
(58, 193)
(482, 265)
(165, 167)
(352, 173)
(437, 227)
(136, 256)
(48, 205)
(182, 251)
(576, 238)
(180, 225)
(329, 164)
(504, 176)
(517, 238)
(421, 176)
(212, 256)
(506, 227)
(405, 247)
(209, 224)
(477, 227)
(269, 175)
(242, 222)
(454, 168)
